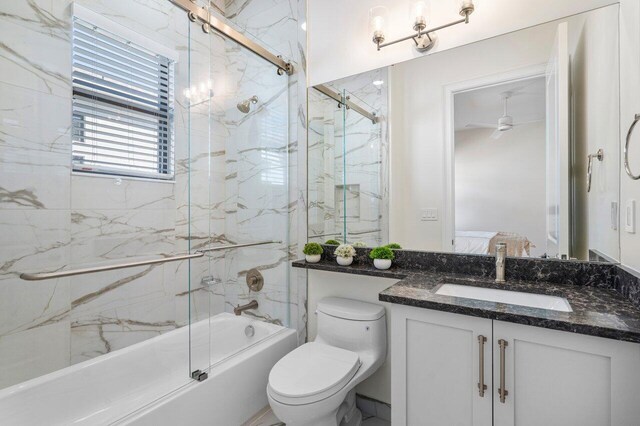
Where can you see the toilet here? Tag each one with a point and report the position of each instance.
(314, 385)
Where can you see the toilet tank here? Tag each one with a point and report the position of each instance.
(352, 324)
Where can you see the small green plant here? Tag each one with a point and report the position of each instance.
(359, 244)
(382, 253)
(332, 243)
(394, 246)
(345, 250)
(311, 249)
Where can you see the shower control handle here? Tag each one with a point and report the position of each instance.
(255, 280)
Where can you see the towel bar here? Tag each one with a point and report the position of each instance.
(198, 253)
(627, 168)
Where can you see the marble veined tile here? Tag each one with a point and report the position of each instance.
(99, 235)
(29, 305)
(28, 190)
(118, 289)
(157, 19)
(33, 60)
(29, 354)
(97, 333)
(34, 128)
(119, 193)
(32, 241)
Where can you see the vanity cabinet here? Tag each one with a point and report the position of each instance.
(549, 377)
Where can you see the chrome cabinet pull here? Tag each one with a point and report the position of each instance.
(627, 168)
(481, 386)
(599, 156)
(501, 390)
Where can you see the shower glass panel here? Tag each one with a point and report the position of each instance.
(365, 152)
(326, 184)
(239, 195)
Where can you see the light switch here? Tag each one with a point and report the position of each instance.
(630, 217)
(430, 214)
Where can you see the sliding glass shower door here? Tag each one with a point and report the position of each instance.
(365, 152)
(239, 189)
(326, 189)
(348, 157)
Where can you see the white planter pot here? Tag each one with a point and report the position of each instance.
(312, 258)
(344, 261)
(382, 263)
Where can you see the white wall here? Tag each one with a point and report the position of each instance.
(596, 113)
(417, 133)
(324, 284)
(629, 106)
(500, 184)
(340, 45)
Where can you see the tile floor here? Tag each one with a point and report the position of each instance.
(267, 418)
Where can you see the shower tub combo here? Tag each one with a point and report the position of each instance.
(145, 384)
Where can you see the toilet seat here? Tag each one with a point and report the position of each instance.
(311, 373)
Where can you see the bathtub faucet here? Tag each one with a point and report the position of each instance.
(241, 308)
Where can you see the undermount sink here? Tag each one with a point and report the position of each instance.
(541, 301)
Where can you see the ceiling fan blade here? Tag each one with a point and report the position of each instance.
(528, 122)
(496, 134)
(480, 126)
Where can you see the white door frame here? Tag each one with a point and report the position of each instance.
(448, 217)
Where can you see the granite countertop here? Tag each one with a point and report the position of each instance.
(598, 310)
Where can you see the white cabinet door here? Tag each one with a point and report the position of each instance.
(565, 379)
(435, 368)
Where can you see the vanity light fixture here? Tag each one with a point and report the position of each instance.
(424, 38)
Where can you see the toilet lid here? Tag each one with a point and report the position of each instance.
(313, 370)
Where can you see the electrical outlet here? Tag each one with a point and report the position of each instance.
(430, 214)
(630, 217)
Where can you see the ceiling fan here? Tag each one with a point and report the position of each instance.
(505, 123)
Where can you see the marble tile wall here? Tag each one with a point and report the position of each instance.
(51, 218)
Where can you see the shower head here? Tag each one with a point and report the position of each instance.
(245, 106)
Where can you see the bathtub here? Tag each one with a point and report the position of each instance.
(148, 383)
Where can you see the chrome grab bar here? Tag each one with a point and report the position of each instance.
(627, 168)
(599, 156)
(198, 253)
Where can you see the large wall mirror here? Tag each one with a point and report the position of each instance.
(514, 139)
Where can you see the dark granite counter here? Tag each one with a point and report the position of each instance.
(592, 290)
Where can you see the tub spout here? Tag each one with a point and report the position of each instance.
(241, 308)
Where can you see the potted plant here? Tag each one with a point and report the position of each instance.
(332, 243)
(394, 246)
(359, 244)
(312, 252)
(382, 257)
(344, 254)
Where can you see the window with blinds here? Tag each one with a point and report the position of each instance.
(122, 106)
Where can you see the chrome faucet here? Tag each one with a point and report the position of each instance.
(501, 254)
(238, 310)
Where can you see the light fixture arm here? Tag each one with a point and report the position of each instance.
(420, 33)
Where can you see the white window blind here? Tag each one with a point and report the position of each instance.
(122, 106)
